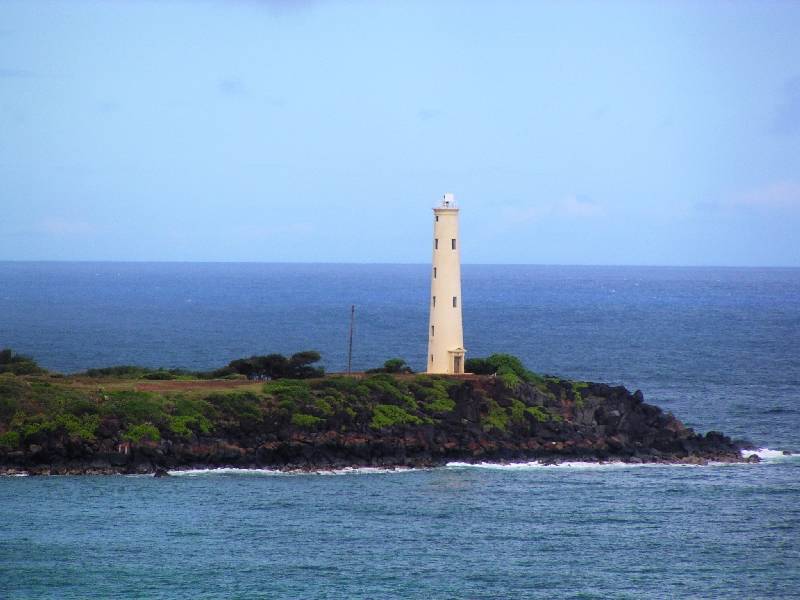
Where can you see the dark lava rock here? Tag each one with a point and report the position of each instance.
(553, 424)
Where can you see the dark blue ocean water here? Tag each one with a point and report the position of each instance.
(718, 347)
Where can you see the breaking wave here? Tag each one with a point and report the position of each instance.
(280, 473)
(767, 455)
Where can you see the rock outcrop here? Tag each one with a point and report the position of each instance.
(486, 419)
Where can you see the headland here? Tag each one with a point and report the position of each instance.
(121, 420)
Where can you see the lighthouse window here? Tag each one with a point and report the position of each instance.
(437, 218)
(455, 301)
(431, 357)
(453, 243)
(434, 300)
(431, 330)
(434, 272)
(436, 244)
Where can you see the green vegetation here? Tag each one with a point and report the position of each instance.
(577, 386)
(393, 365)
(508, 369)
(271, 366)
(389, 415)
(18, 364)
(276, 366)
(512, 374)
(496, 418)
(9, 440)
(306, 421)
(538, 413)
(117, 405)
(143, 431)
(434, 393)
(517, 411)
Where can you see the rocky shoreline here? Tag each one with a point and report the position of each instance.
(486, 420)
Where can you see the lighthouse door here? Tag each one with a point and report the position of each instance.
(456, 364)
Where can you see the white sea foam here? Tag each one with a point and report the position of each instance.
(525, 466)
(769, 455)
(279, 473)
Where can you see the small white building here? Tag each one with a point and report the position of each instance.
(445, 330)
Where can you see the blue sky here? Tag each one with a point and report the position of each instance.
(571, 133)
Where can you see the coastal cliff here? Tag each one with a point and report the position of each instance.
(79, 426)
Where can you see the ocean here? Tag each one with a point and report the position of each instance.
(718, 347)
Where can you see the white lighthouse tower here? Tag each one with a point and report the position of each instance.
(445, 331)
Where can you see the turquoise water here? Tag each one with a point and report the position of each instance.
(718, 347)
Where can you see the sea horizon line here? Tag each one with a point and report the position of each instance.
(401, 263)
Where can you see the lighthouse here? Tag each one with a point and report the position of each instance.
(445, 330)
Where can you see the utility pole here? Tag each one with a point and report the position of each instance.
(350, 347)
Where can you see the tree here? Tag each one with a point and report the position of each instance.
(393, 365)
(300, 365)
(277, 366)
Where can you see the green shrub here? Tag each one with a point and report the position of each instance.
(497, 417)
(538, 413)
(134, 407)
(18, 364)
(187, 416)
(441, 405)
(433, 393)
(393, 365)
(509, 369)
(289, 388)
(142, 431)
(118, 371)
(508, 378)
(517, 411)
(306, 421)
(11, 395)
(238, 409)
(389, 388)
(160, 375)
(78, 428)
(187, 425)
(323, 405)
(389, 415)
(479, 366)
(9, 439)
(340, 383)
(577, 386)
(180, 425)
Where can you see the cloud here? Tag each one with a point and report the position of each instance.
(60, 226)
(575, 206)
(579, 206)
(773, 197)
(786, 120)
(779, 195)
